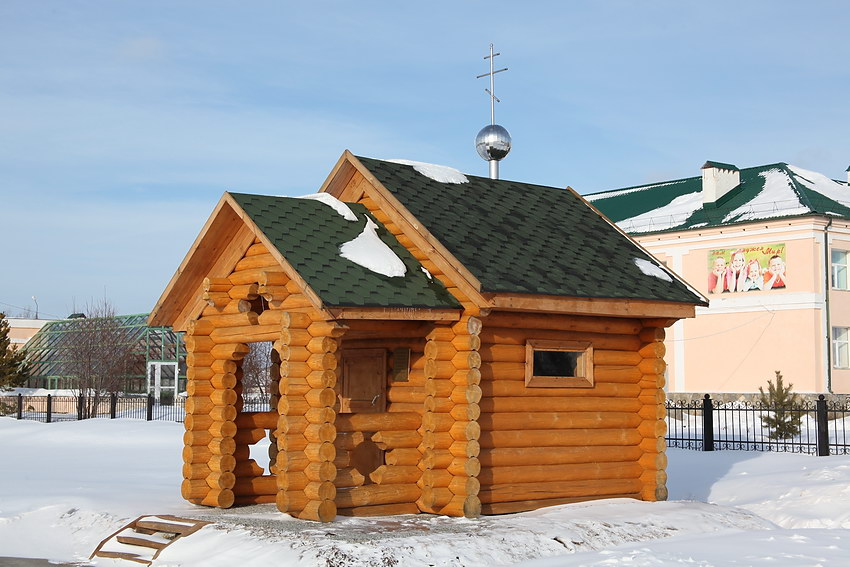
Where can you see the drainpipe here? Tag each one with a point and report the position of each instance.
(827, 286)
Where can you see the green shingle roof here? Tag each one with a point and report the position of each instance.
(522, 238)
(769, 191)
(309, 234)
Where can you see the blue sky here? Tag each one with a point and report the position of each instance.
(121, 123)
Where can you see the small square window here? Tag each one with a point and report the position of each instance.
(553, 364)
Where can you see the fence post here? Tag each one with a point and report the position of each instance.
(707, 424)
(823, 427)
(20, 406)
(113, 405)
(49, 408)
(80, 404)
(150, 407)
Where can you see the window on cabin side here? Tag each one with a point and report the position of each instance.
(553, 364)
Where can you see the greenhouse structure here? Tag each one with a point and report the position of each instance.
(155, 356)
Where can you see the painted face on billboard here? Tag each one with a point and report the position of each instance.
(759, 267)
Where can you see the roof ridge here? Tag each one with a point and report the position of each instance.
(801, 191)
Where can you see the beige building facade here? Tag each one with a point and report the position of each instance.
(770, 251)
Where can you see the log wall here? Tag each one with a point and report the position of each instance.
(543, 446)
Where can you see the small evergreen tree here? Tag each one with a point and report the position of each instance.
(786, 418)
(13, 367)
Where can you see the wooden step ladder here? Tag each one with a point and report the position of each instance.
(142, 540)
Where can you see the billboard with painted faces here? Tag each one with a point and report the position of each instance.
(749, 268)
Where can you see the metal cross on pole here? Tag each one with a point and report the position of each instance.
(492, 89)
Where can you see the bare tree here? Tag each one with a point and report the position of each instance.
(100, 354)
(255, 371)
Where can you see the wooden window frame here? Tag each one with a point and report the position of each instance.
(584, 366)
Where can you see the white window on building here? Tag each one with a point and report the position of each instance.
(839, 269)
(841, 347)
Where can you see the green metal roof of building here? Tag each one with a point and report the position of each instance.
(309, 234)
(522, 238)
(765, 192)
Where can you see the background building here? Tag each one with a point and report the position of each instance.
(156, 356)
(769, 247)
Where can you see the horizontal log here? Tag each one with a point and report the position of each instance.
(245, 334)
(464, 485)
(273, 292)
(196, 471)
(408, 394)
(221, 480)
(541, 456)
(223, 429)
(617, 374)
(466, 412)
(521, 320)
(321, 397)
(216, 284)
(319, 511)
(224, 380)
(438, 421)
(438, 405)
(320, 471)
(223, 367)
(320, 433)
(652, 335)
(465, 467)
(291, 442)
(380, 510)
(559, 420)
(558, 489)
(375, 494)
(195, 359)
(395, 329)
(652, 366)
(223, 397)
(463, 506)
(258, 261)
(202, 388)
(271, 277)
(433, 499)
(198, 344)
(470, 394)
(197, 422)
(436, 478)
(403, 457)
(396, 439)
(230, 351)
(436, 440)
(653, 350)
(653, 411)
(201, 437)
(326, 329)
(564, 404)
(465, 448)
(222, 446)
(348, 441)
(528, 505)
(559, 438)
(256, 249)
(198, 328)
(249, 468)
(615, 358)
(199, 405)
(322, 345)
(257, 420)
(440, 350)
(221, 463)
(512, 388)
(438, 458)
(232, 306)
(231, 320)
(348, 478)
(407, 407)
(223, 413)
(320, 490)
(247, 291)
(219, 498)
(570, 472)
(291, 501)
(389, 474)
(653, 461)
(387, 421)
(466, 342)
(465, 430)
(194, 489)
(199, 373)
(249, 436)
(519, 337)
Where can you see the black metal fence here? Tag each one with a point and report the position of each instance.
(815, 427)
(48, 409)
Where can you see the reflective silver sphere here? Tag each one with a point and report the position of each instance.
(493, 142)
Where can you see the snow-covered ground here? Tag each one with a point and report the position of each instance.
(66, 486)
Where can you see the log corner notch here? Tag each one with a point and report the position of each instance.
(450, 447)
(653, 410)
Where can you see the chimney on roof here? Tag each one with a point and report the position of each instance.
(717, 180)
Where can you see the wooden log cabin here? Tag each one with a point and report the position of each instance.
(442, 343)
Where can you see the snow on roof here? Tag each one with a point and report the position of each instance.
(673, 214)
(776, 199)
(440, 173)
(653, 270)
(369, 251)
(822, 184)
(620, 192)
(334, 203)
